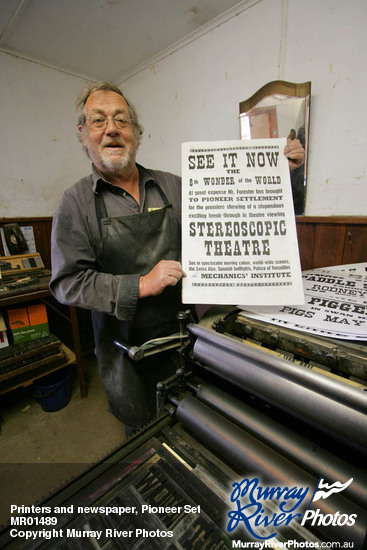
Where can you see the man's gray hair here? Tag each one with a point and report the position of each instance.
(106, 87)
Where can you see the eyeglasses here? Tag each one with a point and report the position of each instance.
(98, 122)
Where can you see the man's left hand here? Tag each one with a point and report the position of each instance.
(295, 153)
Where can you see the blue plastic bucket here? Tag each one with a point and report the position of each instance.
(53, 391)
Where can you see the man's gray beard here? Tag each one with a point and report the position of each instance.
(116, 166)
(113, 167)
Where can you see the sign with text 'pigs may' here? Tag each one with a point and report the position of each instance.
(239, 241)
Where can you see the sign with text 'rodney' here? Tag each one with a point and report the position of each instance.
(239, 240)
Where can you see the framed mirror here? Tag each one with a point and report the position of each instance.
(281, 109)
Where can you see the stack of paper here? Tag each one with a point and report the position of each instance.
(335, 304)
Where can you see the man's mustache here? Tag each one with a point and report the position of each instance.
(114, 143)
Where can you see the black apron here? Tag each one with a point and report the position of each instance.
(135, 244)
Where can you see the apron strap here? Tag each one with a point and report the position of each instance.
(101, 211)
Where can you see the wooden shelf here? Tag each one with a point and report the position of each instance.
(75, 357)
(42, 235)
(27, 375)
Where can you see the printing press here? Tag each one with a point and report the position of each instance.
(249, 401)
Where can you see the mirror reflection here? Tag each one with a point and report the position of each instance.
(281, 109)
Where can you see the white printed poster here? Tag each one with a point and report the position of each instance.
(239, 240)
(335, 304)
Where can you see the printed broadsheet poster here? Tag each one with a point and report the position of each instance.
(239, 240)
(335, 304)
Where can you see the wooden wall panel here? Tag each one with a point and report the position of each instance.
(329, 245)
(355, 245)
(325, 241)
(306, 243)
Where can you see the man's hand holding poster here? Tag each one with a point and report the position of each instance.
(239, 240)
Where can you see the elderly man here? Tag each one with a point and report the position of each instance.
(116, 251)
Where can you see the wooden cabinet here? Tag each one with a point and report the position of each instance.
(325, 241)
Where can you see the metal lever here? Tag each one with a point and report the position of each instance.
(151, 347)
(157, 345)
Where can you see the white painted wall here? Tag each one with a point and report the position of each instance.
(40, 155)
(193, 94)
(330, 46)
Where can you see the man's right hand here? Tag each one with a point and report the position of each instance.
(164, 273)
